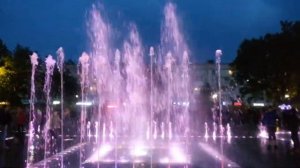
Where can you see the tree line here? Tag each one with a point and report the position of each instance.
(269, 66)
(15, 73)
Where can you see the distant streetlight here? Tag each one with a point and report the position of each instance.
(214, 96)
(56, 102)
(286, 96)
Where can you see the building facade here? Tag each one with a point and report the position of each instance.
(204, 77)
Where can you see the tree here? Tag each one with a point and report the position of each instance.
(3, 50)
(15, 77)
(269, 66)
(6, 78)
(70, 83)
(22, 69)
(6, 72)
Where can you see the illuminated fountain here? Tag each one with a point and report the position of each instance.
(31, 137)
(132, 112)
(135, 104)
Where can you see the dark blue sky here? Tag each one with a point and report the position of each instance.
(44, 25)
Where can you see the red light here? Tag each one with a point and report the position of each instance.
(237, 104)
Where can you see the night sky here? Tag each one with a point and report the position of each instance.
(45, 25)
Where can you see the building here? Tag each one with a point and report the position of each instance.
(204, 77)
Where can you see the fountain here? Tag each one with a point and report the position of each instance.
(60, 66)
(31, 138)
(131, 94)
(132, 112)
(48, 145)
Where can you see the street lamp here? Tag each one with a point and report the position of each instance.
(286, 96)
(214, 96)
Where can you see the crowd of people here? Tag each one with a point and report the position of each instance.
(288, 119)
(12, 121)
(284, 118)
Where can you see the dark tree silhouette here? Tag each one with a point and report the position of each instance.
(15, 76)
(269, 66)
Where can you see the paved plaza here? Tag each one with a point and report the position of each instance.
(240, 150)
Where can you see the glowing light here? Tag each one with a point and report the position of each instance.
(4, 103)
(285, 107)
(206, 131)
(108, 160)
(137, 161)
(151, 53)
(286, 96)
(139, 150)
(219, 53)
(111, 131)
(100, 153)
(148, 131)
(263, 134)
(283, 132)
(56, 102)
(155, 131)
(177, 154)
(228, 133)
(258, 104)
(96, 129)
(165, 160)
(237, 103)
(2, 71)
(122, 160)
(84, 103)
(214, 132)
(34, 59)
(163, 130)
(214, 153)
(89, 129)
(292, 143)
(31, 147)
(214, 96)
(170, 131)
(111, 106)
(104, 132)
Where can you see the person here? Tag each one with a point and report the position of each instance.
(21, 121)
(2, 125)
(5, 120)
(39, 121)
(68, 125)
(55, 128)
(291, 123)
(269, 121)
(55, 123)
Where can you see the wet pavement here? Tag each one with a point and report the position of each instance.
(241, 150)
